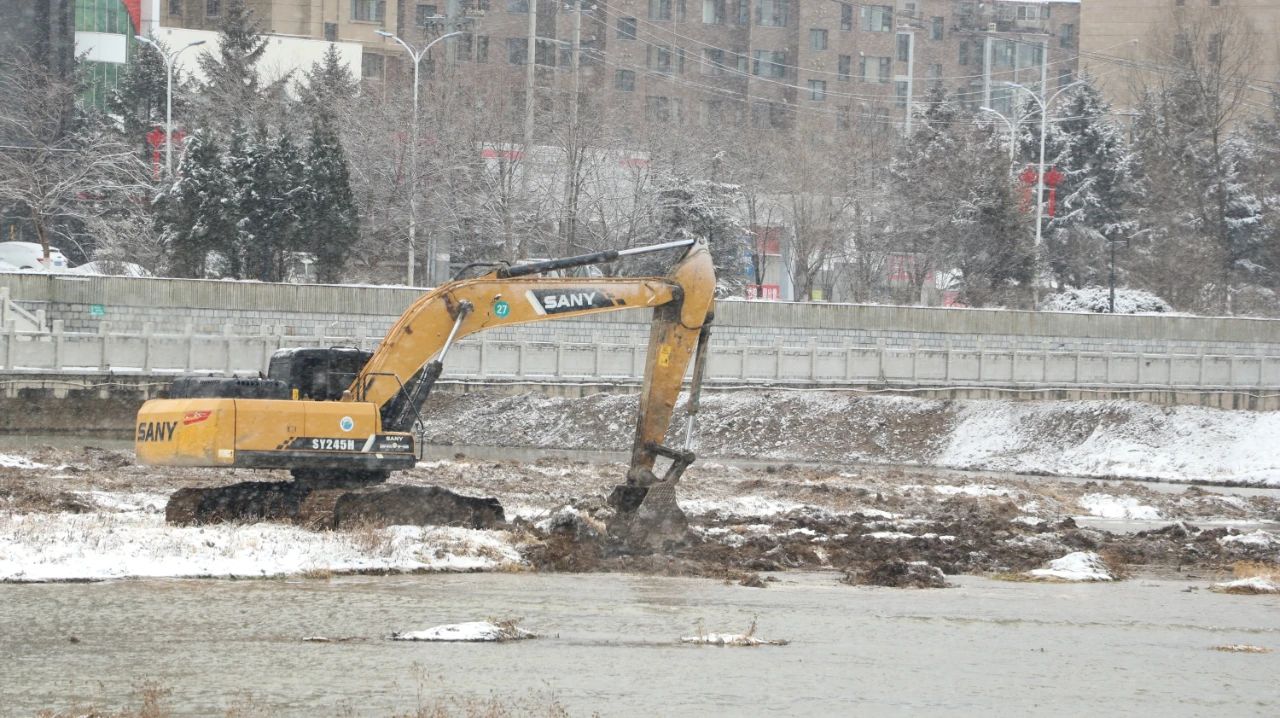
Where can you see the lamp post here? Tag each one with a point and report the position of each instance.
(1013, 132)
(413, 155)
(1044, 123)
(168, 96)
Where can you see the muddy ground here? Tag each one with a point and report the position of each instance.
(745, 521)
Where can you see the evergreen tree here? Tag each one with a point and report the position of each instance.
(1091, 212)
(328, 85)
(265, 202)
(193, 212)
(232, 89)
(330, 219)
(139, 98)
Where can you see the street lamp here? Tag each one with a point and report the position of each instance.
(1044, 122)
(413, 155)
(1013, 132)
(168, 96)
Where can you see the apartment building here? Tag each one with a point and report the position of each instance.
(779, 64)
(1128, 43)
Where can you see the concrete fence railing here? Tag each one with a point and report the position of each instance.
(485, 359)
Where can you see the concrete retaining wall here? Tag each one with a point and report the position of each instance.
(106, 325)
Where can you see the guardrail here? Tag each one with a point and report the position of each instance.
(185, 351)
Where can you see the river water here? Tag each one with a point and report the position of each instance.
(608, 645)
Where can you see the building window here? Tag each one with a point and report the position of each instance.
(713, 12)
(625, 80)
(964, 53)
(426, 15)
(817, 39)
(212, 8)
(900, 93)
(331, 31)
(904, 47)
(846, 17)
(877, 18)
(518, 6)
(369, 10)
(744, 12)
(1028, 12)
(660, 10)
(768, 115)
(1067, 34)
(909, 9)
(658, 58)
(1065, 77)
(740, 60)
(818, 90)
(934, 72)
(713, 61)
(626, 28)
(772, 13)
(844, 67)
(769, 63)
(658, 109)
(875, 69)
(371, 66)
(175, 7)
(936, 28)
(517, 51)
(482, 48)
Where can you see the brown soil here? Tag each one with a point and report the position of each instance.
(743, 521)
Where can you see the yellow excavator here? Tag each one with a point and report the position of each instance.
(343, 417)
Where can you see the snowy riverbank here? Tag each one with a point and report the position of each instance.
(1070, 438)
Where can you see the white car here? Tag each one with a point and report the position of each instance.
(29, 255)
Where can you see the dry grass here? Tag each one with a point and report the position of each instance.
(1256, 569)
(151, 697)
(318, 573)
(1241, 648)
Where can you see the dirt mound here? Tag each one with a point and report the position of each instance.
(378, 506)
(398, 505)
(900, 574)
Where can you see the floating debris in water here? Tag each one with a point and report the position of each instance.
(472, 632)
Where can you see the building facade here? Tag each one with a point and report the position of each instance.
(774, 64)
(1127, 43)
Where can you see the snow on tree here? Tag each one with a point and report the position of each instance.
(1092, 198)
(1098, 300)
(192, 212)
(232, 90)
(689, 209)
(330, 220)
(139, 97)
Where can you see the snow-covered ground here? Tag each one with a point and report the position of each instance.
(96, 546)
(1116, 438)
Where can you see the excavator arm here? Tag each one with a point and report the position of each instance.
(366, 431)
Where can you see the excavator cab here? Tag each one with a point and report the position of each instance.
(317, 373)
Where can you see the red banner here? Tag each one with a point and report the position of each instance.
(134, 8)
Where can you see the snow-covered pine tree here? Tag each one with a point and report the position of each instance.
(139, 98)
(924, 193)
(1092, 207)
(231, 89)
(330, 221)
(192, 212)
(328, 86)
(703, 209)
(265, 198)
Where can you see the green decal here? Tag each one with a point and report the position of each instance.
(97, 310)
(501, 308)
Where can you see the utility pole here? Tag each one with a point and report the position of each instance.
(911, 75)
(986, 70)
(573, 152)
(169, 59)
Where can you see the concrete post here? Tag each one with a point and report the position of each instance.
(980, 359)
(481, 369)
(189, 332)
(229, 340)
(57, 344)
(946, 367)
(10, 342)
(520, 359)
(4, 306)
(264, 357)
(777, 360)
(148, 329)
(104, 345)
